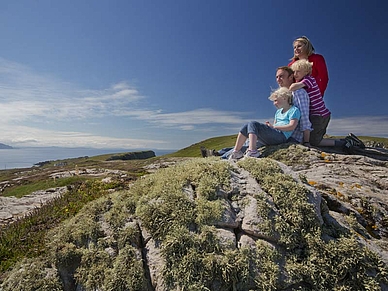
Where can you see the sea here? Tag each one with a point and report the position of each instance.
(29, 156)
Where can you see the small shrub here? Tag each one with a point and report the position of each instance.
(195, 261)
(33, 274)
(127, 272)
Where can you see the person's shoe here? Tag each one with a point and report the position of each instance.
(355, 140)
(235, 155)
(348, 147)
(209, 153)
(252, 154)
(351, 143)
(204, 152)
(212, 153)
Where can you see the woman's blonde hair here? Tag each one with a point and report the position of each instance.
(283, 93)
(309, 46)
(302, 65)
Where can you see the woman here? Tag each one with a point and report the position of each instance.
(303, 49)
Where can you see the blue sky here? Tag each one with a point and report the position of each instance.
(167, 74)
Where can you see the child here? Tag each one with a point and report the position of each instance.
(286, 120)
(319, 114)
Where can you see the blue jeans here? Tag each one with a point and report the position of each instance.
(265, 135)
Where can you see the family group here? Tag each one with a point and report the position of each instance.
(301, 115)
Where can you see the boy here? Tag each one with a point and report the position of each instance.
(319, 114)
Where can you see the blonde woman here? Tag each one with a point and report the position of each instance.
(304, 50)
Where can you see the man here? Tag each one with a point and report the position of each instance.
(284, 78)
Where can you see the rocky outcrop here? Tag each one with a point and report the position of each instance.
(12, 208)
(310, 220)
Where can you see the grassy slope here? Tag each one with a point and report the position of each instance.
(220, 142)
(216, 143)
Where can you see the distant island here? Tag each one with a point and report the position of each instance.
(4, 146)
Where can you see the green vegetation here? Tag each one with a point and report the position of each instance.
(220, 142)
(180, 207)
(340, 264)
(196, 261)
(24, 238)
(216, 143)
(20, 191)
(168, 214)
(163, 206)
(35, 275)
(132, 156)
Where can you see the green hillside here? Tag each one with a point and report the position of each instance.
(220, 142)
(211, 143)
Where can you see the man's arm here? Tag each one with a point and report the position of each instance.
(302, 101)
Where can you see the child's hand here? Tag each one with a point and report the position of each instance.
(268, 123)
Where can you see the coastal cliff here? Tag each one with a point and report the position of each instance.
(4, 146)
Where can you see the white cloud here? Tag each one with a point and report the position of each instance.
(200, 116)
(36, 98)
(26, 95)
(187, 127)
(120, 86)
(29, 136)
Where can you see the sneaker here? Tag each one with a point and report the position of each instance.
(348, 147)
(349, 141)
(209, 153)
(235, 155)
(212, 153)
(356, 140)
(203, 152)
(252, 154)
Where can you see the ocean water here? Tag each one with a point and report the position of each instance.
(27, 157)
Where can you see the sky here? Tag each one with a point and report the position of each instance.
(168, 74)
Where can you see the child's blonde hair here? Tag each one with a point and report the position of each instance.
(302, 65)
(283, 93)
